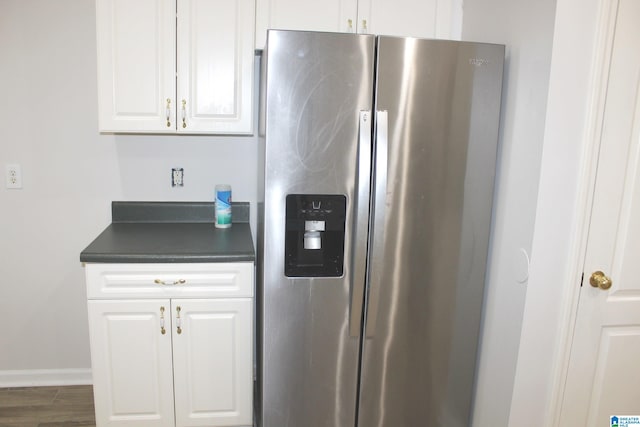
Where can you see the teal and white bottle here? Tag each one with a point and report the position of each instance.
(223, 206)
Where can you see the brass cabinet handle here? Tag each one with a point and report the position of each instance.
(162, 329)
(350, 24)
(178, 320)
(599, 280)
(364, 25)
(168, 112)
(184, 113)
(176, 282)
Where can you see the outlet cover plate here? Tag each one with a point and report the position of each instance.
(177, 177)
(13, 176)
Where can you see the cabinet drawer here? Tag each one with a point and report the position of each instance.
(210, 280)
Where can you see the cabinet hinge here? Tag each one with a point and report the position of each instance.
(582, 279)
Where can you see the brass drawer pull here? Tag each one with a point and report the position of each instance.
(177, 282)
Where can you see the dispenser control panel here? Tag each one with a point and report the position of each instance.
(314, 240)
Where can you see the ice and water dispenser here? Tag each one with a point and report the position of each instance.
(314, 240)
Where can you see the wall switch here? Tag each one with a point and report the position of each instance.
(177, 177)
(13, 176)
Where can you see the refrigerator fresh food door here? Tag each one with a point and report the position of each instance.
(437, 108)
(318, 96)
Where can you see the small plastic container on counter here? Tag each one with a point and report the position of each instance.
(223, 206)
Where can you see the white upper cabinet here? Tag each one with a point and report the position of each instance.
(215, 65)
(415, 18)
(167, 66)
(136, 65)
(412, 18)
(328, 15)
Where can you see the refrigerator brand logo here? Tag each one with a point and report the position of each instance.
(479, 62)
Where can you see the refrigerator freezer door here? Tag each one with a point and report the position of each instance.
(431, 231)
(316, 87)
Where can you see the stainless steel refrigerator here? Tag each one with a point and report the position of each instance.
(377, 167)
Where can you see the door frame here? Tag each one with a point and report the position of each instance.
(582, 42)
(594, 125)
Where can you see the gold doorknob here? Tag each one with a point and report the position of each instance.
(600, 280)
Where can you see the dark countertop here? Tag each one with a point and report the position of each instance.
(171, 232)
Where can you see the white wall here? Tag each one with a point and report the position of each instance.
(526, 28)
(70, 176)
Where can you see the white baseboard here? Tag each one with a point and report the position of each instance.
(45, 377)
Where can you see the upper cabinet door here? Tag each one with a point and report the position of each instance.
(215, 66)
(312, 15)
(409, 18)
(136, 65)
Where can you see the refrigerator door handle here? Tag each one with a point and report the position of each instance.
(377, 258)
(361, 220)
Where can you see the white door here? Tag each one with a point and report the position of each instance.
(604, 371)
(136, 42)
(215, 66)
(213, 361)
(131, 361)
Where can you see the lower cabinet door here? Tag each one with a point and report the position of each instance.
(131, 359)
(213, 361)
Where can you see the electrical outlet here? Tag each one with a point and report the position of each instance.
(177, 177)
(13, 176)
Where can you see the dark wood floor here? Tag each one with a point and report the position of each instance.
(47, 406)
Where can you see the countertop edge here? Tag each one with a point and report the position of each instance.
(158, 259)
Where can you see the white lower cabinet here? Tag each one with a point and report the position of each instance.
(172, 361)
(131, 363)
(212, 362)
